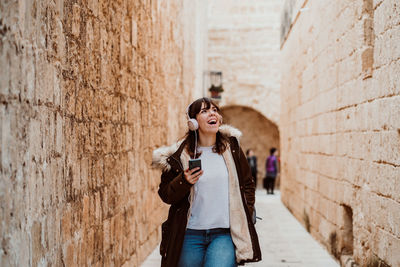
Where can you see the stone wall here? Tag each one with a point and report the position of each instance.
(340, 127)
(86, 93)
(243, 43)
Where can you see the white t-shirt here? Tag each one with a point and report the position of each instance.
(210, 207)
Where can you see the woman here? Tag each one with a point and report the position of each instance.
(210, 218)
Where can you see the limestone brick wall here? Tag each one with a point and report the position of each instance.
(340, 127)
(243, 43)
(87, 90)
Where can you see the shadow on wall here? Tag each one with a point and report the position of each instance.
(259, 133)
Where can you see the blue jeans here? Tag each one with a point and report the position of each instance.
(208, 248)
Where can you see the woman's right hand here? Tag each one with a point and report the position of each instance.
(193, 175)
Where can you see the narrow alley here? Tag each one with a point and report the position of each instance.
(89, 89)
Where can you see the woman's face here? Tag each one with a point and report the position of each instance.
(208, 119)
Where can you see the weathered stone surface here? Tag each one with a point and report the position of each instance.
(243, 43)
(86, 93)
(339, 125)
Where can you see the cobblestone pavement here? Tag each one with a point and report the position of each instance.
(284, 242)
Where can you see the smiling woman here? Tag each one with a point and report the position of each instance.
(209, 206)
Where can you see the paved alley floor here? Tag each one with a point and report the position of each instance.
(283, 240)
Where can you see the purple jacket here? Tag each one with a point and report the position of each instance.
(271, 166)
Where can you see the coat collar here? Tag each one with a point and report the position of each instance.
(161, 155)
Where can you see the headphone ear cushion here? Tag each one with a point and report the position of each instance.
(193, 124)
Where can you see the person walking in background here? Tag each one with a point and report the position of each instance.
(210, 218)
(252, 160)
(271, 166)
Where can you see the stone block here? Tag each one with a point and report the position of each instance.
(367, 58)
(90, 246)
(387, 47)
(369, 36)
(28, 68)
(107, 235)
(76, 19)
(69, 255)
(390, 107)
(85, 212)
(98, 209)
(386, 246)
(93, 6)
(385, 15)
(389, 151)
(66, 224)
(37, 247)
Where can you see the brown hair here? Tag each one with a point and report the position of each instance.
(221, 139)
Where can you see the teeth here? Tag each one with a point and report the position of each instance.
(212, 121)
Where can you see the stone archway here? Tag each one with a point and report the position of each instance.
(259, 133)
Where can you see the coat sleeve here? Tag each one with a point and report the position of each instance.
(248, 182)
(173, 188)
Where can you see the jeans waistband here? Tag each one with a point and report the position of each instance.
(208, 231)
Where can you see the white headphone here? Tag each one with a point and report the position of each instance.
(192, 123)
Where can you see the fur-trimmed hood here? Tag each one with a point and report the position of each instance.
(161, 154)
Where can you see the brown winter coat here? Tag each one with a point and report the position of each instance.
(175, 190)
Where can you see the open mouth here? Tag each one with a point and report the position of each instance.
(212, 122)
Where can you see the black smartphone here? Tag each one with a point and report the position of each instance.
(193, 163)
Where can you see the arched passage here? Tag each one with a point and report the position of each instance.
(259, 133)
